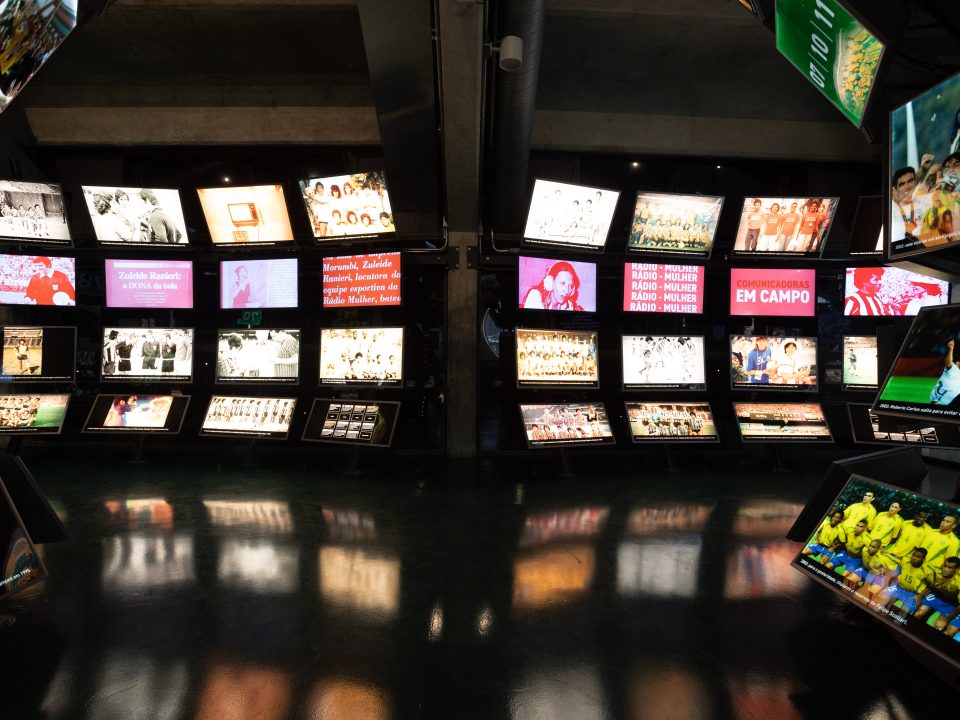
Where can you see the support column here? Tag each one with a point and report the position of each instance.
(461, 389)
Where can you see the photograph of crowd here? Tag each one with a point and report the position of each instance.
(781, 421)
(891, 291)
(785, 362)
(22, 351)
(859, 362)
(925, 377)
(145, 353)
(547, 284)
(573, 215)
(664, 361)
(365, 423)
(893, 553)
(33, 211)
(254, 215)
(137, 411)
(249, 415)
(787, 226)
(259, 284)
(361, 356)
(557, 357)
(682, 224)
(32, 413)
(136, 216)
(566, 424)
(686, 421)
(37, 280)
(354, 205)
(258, 355)
(925, 171)
(867, 429)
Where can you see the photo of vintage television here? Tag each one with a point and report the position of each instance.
(259, 284)
(22, 566)
(924, 165)
(36, 354)
(770, 292)
(782, 422)
(551, 284)
(891, 292)
(266, 417)
(361, 356)
(348, 206)
(159, 354)
(674, 224)
(372, 280)
(573, 216)
(136, 216)
(658, 288)
(136, 413)
(868, 428)
(157, 284)
(566, 424)
(37, 280)
(773, 363)
(557, 358)
(859, 362)
(784, 226)
(33, 212)
(866, 235)
(258, 356)
(671, 422)
(360, 422)
(33, 413)
(663, 362)
(246, 216)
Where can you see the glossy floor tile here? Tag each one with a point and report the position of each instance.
(297, 593)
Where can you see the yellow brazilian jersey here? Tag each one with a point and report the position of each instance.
(911, 537)
(947, 589)
(857, 512)
(828, 536)
(885, 528)
(857, 543)
(880, 562)
(940, 547)
(912, 578)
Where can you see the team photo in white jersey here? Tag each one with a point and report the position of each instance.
(663, 361)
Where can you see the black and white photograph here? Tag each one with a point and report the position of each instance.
(570, 215)
(136, 216)
(163, 354)
(33, 212)
(252, 356)
(664, 361)
(253, 416)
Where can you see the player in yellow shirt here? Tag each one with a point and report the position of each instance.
(863, 510)
(943, 544)
(828, 538)
(849, 555)
(943, 588)
(873, 570)
(912, 535)
(910, 587)
(886, 525)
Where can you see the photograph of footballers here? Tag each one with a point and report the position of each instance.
(348, 205)
(136, 216)
(859, 363)
(570, 215)
(253, 416)
(891, 291)
(775, 422)
(557, 357)
(867, 430)
(674, 224)
(363, 423)
(32, 413)
(781, 363)
(925, 378)
(22, 351)
(684, 421)
(37, 280)
(140, 412)
(557, 285)
(673, 362)
(39, 353)
(361, 356)
(925, 171)
(556, 424)
(255, 215)
(784, 226)
(260, 355)
(33, 211)
(164, 354)
(895, 554)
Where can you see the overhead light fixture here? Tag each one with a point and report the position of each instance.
(634, 164)
(511, 53)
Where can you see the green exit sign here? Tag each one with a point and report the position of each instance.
(250, 318)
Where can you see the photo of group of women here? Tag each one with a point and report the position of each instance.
(688, 421)
(257, 416)
(781, 422)
(566, 424)
(33, 211)
(574, 215)
(680, 224)
(664, 361)
(259, 355)
(32, 413)
(361, 356)
(147, 353)
(784, 362)
(556, 357)
(348, 205)
(784, 226)
(136, 216)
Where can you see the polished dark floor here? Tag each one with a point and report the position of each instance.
(295, 592)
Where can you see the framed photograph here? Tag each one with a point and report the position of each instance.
(782, 422)
(559, 358)
(39, 354)
(258, 356)
(33, 413)
(372, 280)
(680, 422)
(669, 224)
(559, 285)
(32, 212)
(362, 356)
(344, 207)
(38, 280)
(664, 362)
(159, 354)
(773, 363)
(355, 422)
(784, 226)
(136, 216)
(566, 424)
(265, 417)
(572, 216)
(249, 216)
(137, 413)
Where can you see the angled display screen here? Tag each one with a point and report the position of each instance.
(557, 357)
(39, 353)
(550, 284)
(786, 227)
(859, 362)
(149, 283)
(251, 416)
(246, 216)
(573, 216)
(657, 288)
(32, 413)
(362, 280)
(128, 413)
(258, 356)
(782, 422)
(145, 354)
(348, 206)
(774, 363)
(361, 356)
(867, 430)
(258, 284)
(368, 422)
(674, 362)
(674, 224)
(38, 280)
(32, 212)
(554, 424)
(866, 237)
(891, 291)
(21, 564)
(136, 216)
(768, 292)
(671, 422)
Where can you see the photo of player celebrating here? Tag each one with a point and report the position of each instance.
(557, 357)
(674, 224)
(784, 226)
(779, 363)
(664, 361)
(686, 422)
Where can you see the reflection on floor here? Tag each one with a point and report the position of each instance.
(282, 594)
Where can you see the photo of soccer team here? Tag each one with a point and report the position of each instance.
(258, 355)
(572, 215)
(671, 361)
(925, 171)
(764, 422)
(925, 378)
(891, 291)
(361, 356)
(676, 224)
(859, 362)
(895, 553)
(348, 205)
(136, 216)
(257, 416)
(32, 413)
(557, 357)
(33, 211)
(784, 226)
(164, 354)
(782, 363)
(566, 424)
(687, 422)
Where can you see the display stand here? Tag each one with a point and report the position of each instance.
(566, 469)
(136, 457)
(13, 444)
(247, 461)
(40, 520)
(671, 461)
(779, 465)
(353, 464)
